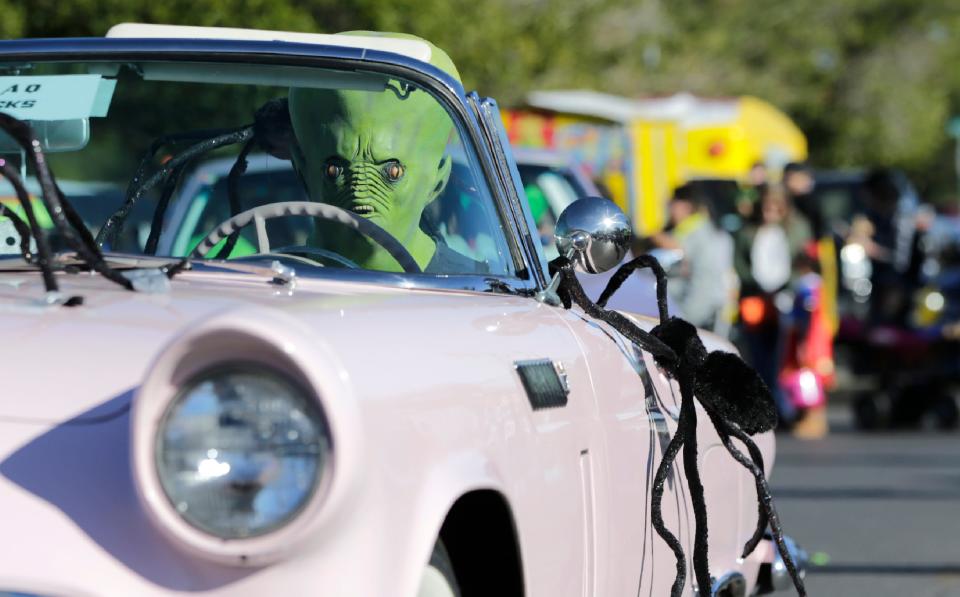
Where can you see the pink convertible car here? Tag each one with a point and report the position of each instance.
(334, 394)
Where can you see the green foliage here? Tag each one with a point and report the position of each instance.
(869, 81)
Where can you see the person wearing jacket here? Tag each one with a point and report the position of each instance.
(765, 250)
(700, 285)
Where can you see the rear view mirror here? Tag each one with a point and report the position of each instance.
(57, 107)
(54, 136)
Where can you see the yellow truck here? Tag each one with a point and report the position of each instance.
(641, 149)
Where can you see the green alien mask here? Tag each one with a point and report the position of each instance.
(378, 154)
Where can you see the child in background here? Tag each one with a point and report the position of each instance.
(808, 369)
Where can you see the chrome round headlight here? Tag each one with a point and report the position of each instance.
(240, 451)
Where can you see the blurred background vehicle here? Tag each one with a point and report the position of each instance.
(639, 150)
(203, 202)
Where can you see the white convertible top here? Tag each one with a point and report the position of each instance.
(687, 109)
(412, 48)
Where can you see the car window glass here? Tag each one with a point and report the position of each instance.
(549, 191)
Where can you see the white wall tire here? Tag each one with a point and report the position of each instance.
(438, 579)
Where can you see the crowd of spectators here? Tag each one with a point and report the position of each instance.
(761, 285)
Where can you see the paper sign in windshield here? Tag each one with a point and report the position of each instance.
(56, 97)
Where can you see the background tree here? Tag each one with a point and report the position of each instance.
(871, 82)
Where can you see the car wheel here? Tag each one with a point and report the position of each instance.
(438, 579)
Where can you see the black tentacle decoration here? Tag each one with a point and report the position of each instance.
(172, 270)
(655, 346)
(36, 231)
(622, 273)
(271, 131)
(656, 511)
(168, 140)
(731, 393)
(766, 501)
(761, 482)
(691, 471)
(156, 225)
(65, 219)
(114, 224)
(233, 194)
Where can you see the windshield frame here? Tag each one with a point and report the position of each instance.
(445, 89)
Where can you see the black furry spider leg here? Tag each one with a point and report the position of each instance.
(233, 195)
(624, 271)
(574, 291)
(156, 224)
(776, 529)
(64, 217)
(173, 269)
(688, 427)
(645, 340)
(725, 430)
(656, 510)
(762, 518)
(167, 140)
(114, 224)
(66, 220)
(43, 246)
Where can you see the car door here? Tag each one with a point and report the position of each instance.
(636, 410)
(548, 470)
(632, 420)
(634, 417)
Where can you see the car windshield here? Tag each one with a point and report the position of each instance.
(341, 169)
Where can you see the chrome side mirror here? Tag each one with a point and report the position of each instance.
(594, 234)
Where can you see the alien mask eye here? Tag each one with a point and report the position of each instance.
(333, 171)
(393, 170)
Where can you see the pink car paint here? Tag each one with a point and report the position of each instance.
(424, 406)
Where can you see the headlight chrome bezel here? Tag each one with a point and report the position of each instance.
(296, 389)
(283, 344)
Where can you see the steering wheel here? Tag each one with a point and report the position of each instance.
(323, 211)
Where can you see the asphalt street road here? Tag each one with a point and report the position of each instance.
(879, 512)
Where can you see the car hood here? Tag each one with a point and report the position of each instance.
(82, 364)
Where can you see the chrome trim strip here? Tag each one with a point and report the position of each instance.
(509, 177)
(484, 284)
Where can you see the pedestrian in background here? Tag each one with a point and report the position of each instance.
(808, 368)
(700, 284)
(800, 184)
(749, 194)
(765, 250)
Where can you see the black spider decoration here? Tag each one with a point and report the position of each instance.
(66, 221)
(270, 131)
(734, 397)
